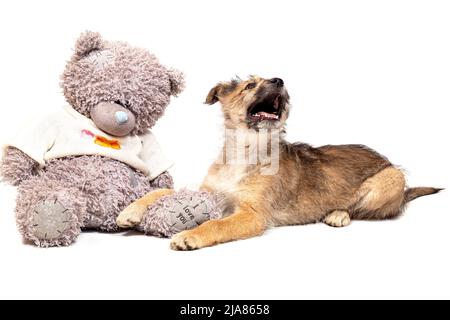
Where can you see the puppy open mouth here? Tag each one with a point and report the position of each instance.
(268, 109)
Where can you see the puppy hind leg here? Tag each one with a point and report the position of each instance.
(337, 219)
(381, 196)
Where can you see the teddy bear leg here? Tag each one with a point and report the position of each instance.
(178, 212)
(133, 214)
(49, 217)
(163, 181)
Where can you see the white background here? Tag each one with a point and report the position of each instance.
(371, 72)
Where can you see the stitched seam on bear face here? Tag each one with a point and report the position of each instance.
(101, 58)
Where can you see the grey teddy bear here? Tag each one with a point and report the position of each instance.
(80, 167)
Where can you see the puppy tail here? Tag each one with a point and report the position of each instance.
(413, 193)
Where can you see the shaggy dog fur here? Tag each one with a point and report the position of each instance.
(95, 189)
(333, 184)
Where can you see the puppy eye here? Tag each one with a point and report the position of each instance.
(250, 86)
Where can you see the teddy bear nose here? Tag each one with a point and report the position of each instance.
(121, 117)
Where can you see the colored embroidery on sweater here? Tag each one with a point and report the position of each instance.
(101, 141)
(104, 142)
(87, 133)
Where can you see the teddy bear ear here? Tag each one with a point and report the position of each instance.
(177, 82)
(88, 42)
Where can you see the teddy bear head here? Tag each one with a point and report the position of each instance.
(123, 89)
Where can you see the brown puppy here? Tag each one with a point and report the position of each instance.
(279, 183)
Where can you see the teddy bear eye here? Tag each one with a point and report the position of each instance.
(250, 86)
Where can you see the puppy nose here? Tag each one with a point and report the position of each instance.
(277, 81)
(121, 117)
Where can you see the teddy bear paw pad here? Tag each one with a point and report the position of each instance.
(50, 219)
(189, 214)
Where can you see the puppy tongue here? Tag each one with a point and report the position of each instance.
(264, 115)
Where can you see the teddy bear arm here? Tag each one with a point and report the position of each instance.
(163, 181)
(16, 166)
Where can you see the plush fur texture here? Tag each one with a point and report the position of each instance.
(16, 166)
(102, 71)
(88, 42)
(156, 221)
(93, 190)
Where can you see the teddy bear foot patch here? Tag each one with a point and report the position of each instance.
(188, 214)
(182, 211)
(50, 219)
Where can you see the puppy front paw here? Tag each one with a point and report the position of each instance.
(186, 241)
(131, 216)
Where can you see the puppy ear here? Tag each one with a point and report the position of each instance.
(177, 82)
(213, 95)
(88, 42)
(221, 89)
